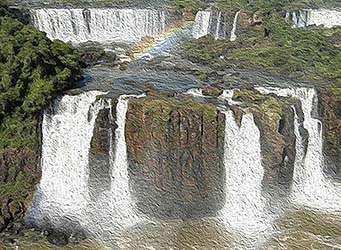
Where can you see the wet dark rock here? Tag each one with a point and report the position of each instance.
(9, 242)
(96, 55)
(77, 238)
(58, 238)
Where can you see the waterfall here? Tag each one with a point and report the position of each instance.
(113, 211)
(120, 185)
(99, 24)
(324, 17)
(209, 22)
(217, 36)
(310, 186)
(244, 204)
(67, 131)
(202, 24)
(234, 28)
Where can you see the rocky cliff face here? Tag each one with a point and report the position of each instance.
(99, 155)
(175, 151)
(330, 110)
(19, 173)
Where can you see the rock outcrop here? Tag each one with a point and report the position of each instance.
(19, 173)
(330, 110)
(175, 151)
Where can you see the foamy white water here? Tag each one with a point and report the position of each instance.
(202, 24)
(99, 24)
(233, 36)
(328, 18)
(244, 204)
(310, 186)
(209, 22)
(67, 131)
(195, 92)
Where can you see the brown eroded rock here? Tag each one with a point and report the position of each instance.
(330, 110)
(175, 152)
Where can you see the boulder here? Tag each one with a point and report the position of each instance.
(211, 91)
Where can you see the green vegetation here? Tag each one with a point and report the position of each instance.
(33, 70)
(275, 47)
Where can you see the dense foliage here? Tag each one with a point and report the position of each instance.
(277, 48)
(32, 70)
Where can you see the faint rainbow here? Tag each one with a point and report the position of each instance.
(147, 46)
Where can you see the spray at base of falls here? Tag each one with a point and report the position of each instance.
(67, 131)
(310, 186)
(244, 204)
(233, 36)
(101, 25)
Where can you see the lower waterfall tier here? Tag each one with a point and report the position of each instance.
(112, 162)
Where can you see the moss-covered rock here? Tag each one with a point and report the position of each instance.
(212, 91)
(175, 151)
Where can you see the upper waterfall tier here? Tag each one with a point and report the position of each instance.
(99, 24)
(214, 23)
(319, 17)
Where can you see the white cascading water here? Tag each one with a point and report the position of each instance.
(120, 188)
(206, 22)
(244, 204)
(219, 24)
(99, 24)
(310, 187)
(202, 24)
(67, 131)
(328, 18)
(228, 95)
(115, 208)
(233, 36)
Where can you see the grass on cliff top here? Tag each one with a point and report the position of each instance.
(277, 48)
